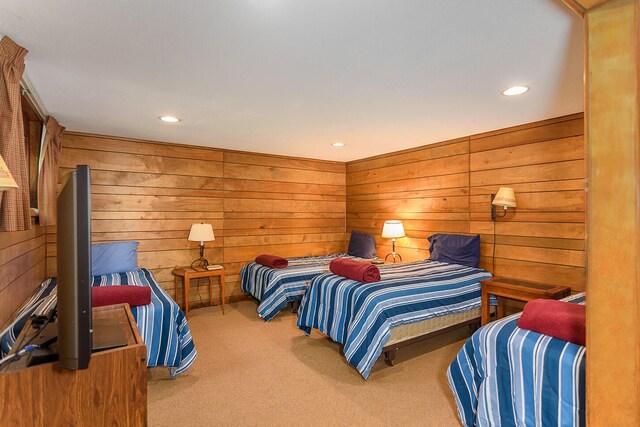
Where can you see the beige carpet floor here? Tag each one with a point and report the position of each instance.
(251, 373)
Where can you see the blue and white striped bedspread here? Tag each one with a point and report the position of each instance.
(507, 376)
(162, 324)
(275, 287)
(361, 315)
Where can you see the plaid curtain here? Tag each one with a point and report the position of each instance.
(48, 178)
(14, 204)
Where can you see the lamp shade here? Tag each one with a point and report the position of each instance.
(392, 229)
(505, 197)
(201, 233)
(6, 180)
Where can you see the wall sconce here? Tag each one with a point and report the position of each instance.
(505, 198)
(6, 180)
(393, 230)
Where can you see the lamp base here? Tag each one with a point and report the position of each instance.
(394, 255)
(200, 262)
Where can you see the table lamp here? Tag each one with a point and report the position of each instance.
(201, 233)
(393, 230)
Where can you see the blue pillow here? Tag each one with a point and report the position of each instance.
(114, 257)
(455, 249)
(362, 245)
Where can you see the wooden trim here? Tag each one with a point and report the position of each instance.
(144, 141)
(613, 309)
(536, 124)
(588, 4)
(575, 6)
(411, 150)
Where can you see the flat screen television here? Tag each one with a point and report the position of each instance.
(74, 269)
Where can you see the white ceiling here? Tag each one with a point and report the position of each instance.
(292, 76)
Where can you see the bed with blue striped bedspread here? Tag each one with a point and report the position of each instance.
(507, 376)
(361, 315)
(275, 287)
(162, 324)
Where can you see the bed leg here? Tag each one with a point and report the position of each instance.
(473, 327)
(389, 357)
(295, 304)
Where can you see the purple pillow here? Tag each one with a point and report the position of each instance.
(455, 249)
(362, 245)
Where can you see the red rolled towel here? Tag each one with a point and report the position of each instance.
(355, 270)
(272, 261)
(559, 319)
(120, 294)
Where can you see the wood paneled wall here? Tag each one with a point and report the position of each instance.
(446, 187)
(22, 262)
(279, 205)
(426, 188)
(152, 192)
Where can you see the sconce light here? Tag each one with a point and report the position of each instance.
(6, 180)
(505, 198)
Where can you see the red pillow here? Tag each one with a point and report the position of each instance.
(120, 294)
(559, 319)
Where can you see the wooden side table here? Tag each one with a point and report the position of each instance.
(188, 273)
(520, 290)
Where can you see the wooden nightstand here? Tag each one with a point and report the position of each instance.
(520, 290)
(188, 273)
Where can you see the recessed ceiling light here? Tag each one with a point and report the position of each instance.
(169, 119)
(515, 90)
(338, 144)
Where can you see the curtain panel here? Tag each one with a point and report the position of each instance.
(14, 204)
(48, 178)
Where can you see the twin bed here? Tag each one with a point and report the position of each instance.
(361, 316)
(162, 324)
(505, 375)
(276, 287)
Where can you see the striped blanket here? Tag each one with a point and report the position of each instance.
(275, 287)
(162, 325)
(507, 376)
(361, 315)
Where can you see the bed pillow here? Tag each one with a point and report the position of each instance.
(362, 245)
(114, 257)
(119, 294)
(455, 249)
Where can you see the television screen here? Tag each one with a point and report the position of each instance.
(74, 269)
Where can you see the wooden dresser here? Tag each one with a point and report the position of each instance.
(112, 391)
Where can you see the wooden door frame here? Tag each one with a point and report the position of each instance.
(612, 123)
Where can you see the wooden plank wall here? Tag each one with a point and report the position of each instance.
(22, 262)
(280, 205)
(446, 187)
(426, 188)
(152, 192)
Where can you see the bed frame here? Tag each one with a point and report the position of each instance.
(389, 351)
